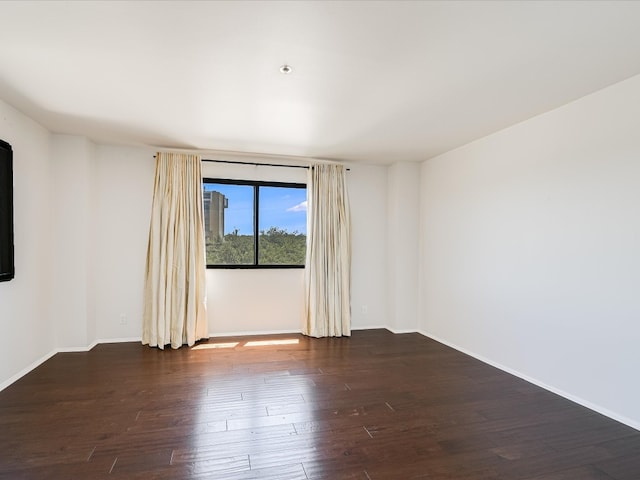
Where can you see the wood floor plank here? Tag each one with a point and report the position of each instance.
(284, 472)
(376, 406)
(582, 473)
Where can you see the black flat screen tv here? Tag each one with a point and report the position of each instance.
(7, 266)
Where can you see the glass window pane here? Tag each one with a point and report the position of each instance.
(228, 224)
(282, 226)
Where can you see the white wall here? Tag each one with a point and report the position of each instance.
(403, 246)
(123, 196)
(25, 319)
(369, 275)
(72, 239)
(530, 244)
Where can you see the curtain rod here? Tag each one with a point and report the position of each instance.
(237, 162)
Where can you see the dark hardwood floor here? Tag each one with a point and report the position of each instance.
(373, 406)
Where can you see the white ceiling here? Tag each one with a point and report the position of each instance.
(376, 82)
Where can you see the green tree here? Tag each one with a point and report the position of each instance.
(279, 247)
(233, 250)
(276, 247)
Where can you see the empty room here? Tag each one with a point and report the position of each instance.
(289, 240)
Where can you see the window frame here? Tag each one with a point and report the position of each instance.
(256, 184)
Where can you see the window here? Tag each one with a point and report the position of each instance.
(234, 210)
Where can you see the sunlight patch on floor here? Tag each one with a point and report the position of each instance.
(263, 343)
(205, 346)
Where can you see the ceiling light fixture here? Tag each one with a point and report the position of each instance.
(286, 69)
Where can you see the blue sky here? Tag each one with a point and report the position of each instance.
(280, 207)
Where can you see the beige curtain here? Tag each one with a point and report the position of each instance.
(328, 263)
(174, 295)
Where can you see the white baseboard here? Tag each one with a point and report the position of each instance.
(27, 369)
(369, 327)
(402, 330)
(76, 349)
(255, 332)
(46, 357)
(580, 401)
(118, 340)
(286, 332)
(97, 342)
